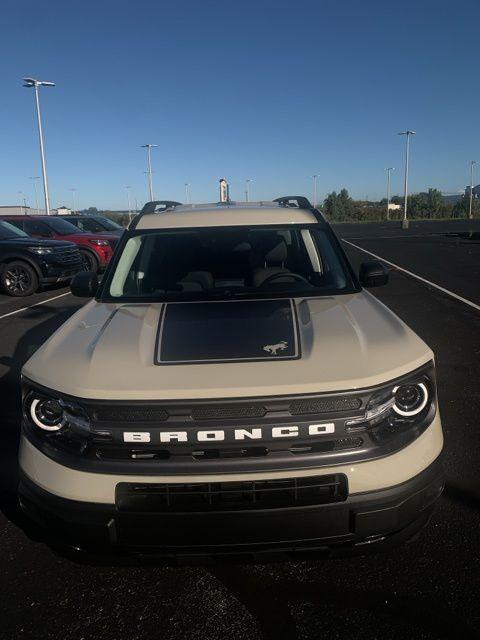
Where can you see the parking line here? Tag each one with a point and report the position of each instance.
(37, 304)
(414, 275)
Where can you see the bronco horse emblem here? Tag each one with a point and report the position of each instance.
(273, 348)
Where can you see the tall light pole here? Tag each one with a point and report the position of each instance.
(24, 202)
(35, 178)
(32, 82)
(248, 181)
(187, 193)
(470, 207)
(149, 148)
(128, 189)
(73, 190)
(389, 181)
(407, 135)
(315, 178)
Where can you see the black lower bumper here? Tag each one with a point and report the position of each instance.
(51, 274)
(360, 523)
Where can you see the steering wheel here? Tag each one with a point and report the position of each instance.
(284, 274)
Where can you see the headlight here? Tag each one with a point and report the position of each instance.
(56, 415)
(99, 243)
(398, 406)
(41, 251)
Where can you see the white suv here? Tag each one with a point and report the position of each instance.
(231, 387)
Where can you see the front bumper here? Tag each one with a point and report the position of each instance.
(359, 523)
(53, 272)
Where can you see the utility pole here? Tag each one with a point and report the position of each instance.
(127, 189)
(470, 205)
(35, 178)
(407, 135)
(149, 148)
(32, 82)
(247, 189)
(315, 178)
(389, 177)
(73, 200)
(24, 200)
(188, 199)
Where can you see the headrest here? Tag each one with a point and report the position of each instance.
(278, 254)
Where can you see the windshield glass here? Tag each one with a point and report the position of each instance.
(87, 224)
(8, 231)
(62, 227)
(108, 224)
(229, 262)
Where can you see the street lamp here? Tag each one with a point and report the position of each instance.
(407, 135)
(389, 178)
(73, 190)
(470, 211)
(35, 178)
(315, 178)
(188, 197)
(24, 202)
(248, 181)
(149, 148)
(128, 190)
(32, 82)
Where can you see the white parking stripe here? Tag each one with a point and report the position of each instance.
(37, 304)
(414, 275)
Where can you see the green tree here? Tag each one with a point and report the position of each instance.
(339, 206)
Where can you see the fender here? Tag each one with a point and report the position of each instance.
(15, 255)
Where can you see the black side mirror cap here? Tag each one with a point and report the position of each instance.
(84, 284)
(373, 273)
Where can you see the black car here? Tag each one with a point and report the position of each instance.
(26, 262)
(94, 224)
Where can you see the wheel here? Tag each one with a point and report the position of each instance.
(19, 279)
(90, 262)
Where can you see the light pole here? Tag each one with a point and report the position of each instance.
(389, 179)
(73, 190)
(248, 181)
(128, 189)
(35, 178)
(24, 203)
(407, 135)
(32, 82)
(149, 148)
(188, 197)
(470, 205)
(315, 178)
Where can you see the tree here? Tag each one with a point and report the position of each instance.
(339, 206)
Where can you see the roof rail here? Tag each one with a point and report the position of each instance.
(301, 202)
(152, 207)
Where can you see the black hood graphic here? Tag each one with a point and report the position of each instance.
(227, 331)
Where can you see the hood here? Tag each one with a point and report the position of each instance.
(37, 242)
(118, 351)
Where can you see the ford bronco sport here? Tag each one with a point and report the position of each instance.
(231, 387)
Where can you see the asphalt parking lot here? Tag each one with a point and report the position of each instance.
(429, 588)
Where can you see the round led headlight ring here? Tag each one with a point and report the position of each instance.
(47, 414)
(410, 399)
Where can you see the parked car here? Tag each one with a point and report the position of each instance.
(232, 388)
(26, 263)
(94, 224)
(96, 248)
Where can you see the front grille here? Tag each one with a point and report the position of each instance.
(70, 255)
(130, 414)
(231, 496)
(228, 411)
(325, 405)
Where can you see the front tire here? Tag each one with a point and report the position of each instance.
(19, 279)
(90, 262)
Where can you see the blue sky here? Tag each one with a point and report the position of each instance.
(270, 90)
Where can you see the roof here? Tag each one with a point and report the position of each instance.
(225, 214)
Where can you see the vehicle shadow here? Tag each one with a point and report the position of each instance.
(10, 393)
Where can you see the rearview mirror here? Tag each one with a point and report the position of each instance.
(373, 273)
(84, 284)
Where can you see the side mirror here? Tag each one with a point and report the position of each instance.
(84, 284)
(373, 273)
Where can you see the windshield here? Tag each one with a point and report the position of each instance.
(8, 231)
(60, 226)
(229, 262)
(108, 224)
(87, 224)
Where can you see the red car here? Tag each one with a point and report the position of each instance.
(96, 248)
